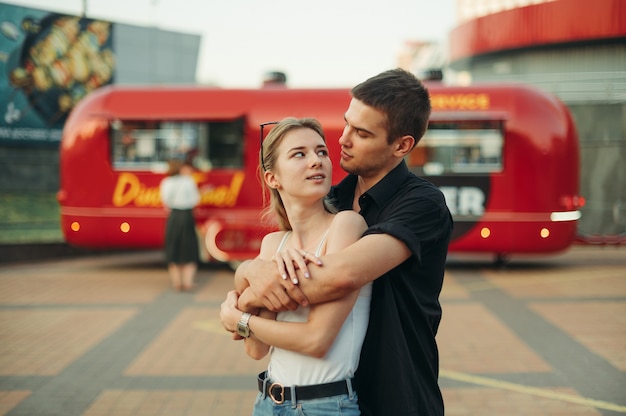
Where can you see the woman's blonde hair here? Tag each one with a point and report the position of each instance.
(268, 157)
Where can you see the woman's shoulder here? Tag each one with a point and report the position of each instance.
(167, 183)
(347, 227)
(187, 178)
(271, 241)
(274, 237)
(347, 217)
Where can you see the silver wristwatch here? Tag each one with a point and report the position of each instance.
(242, 326)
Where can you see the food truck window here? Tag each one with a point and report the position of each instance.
(459, 148)
(148, 144)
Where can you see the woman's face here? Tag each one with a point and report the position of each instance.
(303, 168)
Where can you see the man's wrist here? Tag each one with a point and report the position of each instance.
(247, 301)
(240, 281)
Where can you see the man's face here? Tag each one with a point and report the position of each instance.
(364, 147)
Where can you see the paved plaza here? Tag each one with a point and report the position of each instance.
(106, 335)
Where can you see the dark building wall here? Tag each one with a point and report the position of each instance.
(26, 169)
(602, 134)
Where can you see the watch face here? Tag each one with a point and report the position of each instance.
(243, 330)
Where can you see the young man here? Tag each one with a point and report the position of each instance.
(403, 251)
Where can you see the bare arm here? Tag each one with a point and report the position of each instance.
(342, 272)
(352, 268)
(240, 282)
(315, 336)
(230, 315)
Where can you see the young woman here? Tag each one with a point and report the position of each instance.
(179, 195)
(314, 350)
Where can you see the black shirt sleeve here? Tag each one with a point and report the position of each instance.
(416, 219)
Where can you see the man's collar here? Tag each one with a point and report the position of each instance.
(382, 191)
(343, 193)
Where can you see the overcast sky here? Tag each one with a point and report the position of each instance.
(323, 43)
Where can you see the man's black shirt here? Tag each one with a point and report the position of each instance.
(399, 366)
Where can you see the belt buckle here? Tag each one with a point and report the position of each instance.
(282, 393)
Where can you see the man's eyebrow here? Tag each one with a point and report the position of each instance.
(358, 128)
(365, 130)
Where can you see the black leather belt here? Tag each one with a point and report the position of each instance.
(279, 393)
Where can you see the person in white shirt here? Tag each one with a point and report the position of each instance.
(179, 195)
(314, 350)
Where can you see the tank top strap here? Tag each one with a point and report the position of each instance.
(318, 251)
(283, 241)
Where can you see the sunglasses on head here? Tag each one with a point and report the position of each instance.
(261, 141)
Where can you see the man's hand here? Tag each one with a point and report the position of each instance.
(268, 289)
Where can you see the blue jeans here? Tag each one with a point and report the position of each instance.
(342, 405)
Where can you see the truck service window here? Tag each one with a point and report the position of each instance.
(469, 147)
(148, 144)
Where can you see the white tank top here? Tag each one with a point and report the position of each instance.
(291, 368)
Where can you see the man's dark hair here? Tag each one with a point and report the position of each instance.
(402, 97)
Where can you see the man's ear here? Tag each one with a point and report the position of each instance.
(404, 145)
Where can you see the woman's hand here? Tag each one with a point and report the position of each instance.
(229, 314)
(290, 260)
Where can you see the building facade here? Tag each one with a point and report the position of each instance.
(575, 49)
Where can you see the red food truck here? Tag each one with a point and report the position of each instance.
(505, 156)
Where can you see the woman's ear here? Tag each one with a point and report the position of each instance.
(271, 180)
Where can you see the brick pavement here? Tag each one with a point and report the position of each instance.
(107, 336)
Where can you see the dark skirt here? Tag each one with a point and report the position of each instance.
(181, 240)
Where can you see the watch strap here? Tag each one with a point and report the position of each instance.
(242, 326)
